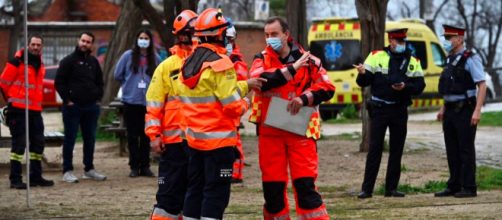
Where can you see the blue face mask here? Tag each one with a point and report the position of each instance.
(229, 48)
(447, 45)
(143, 43)
(275, 43)
(400, 48)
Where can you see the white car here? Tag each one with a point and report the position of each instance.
(490, 90)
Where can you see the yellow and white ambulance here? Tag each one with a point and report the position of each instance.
(336, 41)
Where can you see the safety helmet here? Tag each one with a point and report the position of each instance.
(210, 23)
(184, 21)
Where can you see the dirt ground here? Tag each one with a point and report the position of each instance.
(340, 176)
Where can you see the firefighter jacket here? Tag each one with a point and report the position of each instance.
(163, 117)
(241, 68)
(12, 81)
(211, 98)
(310, 83)
(385, 68)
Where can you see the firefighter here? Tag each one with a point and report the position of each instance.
(12, 83)
(394, 75)
(463, 87)
(211, 102)
(297, 76)
(162, 122)
(241, 68)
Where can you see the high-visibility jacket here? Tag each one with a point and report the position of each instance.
(381, 75)
(310, 83)
(211, 97)
(163, 116)
(12, 82)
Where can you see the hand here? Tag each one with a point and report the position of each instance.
(303, 61)
(440, 114)
(256, 83)
(295, 105)
(70, 103)
(398, 86)
(157, 146)
(476, 116)
(360, 68)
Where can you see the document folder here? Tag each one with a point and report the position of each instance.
(279, 117)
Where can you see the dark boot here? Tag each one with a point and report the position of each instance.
(145, 171)
(41, 182)
(36, 178)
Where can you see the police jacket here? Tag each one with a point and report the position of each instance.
(385, 68)
(79, 78)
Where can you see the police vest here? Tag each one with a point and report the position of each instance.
(455, 79)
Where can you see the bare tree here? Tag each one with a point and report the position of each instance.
(297, 20)
(371, 15)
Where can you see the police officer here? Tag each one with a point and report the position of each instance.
(394, 76)
(461, 112)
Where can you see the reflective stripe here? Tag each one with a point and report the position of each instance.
(152, 122)
(19, 83)
(154, 104)
(188, 218)
(197, 100)
(310, 98)
(16, 157)
(368, 67)
(207, 218)
(415, 74)
(162, 213)
(287, 75)
(312, 215)
(211, 135)
(5, 81)
(280, 217)
(172, 133)
(234, 97)
(239, 91)
(35, 156)
(172, 98)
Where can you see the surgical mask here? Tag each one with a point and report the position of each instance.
(143, 43)
(400, 48)
(229, 48)
(275, 43)
(447, 45)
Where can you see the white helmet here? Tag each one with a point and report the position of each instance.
(231, 32)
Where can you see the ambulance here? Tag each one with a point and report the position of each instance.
(336, 41)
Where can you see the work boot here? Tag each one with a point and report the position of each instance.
(446, 192)
(134, 173)
(393, 193)
(17, 185)
(41, 182)
(364, 195)
(146, 172)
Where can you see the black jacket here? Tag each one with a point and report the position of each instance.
(79, 78)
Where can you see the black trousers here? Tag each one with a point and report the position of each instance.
(173, 178)
(394, 117)
(459, 136)
(209, 177)
(137, 141)
(16, 123)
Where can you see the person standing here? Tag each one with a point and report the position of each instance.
(211, 101)
(394, 75)
(79, 82)
(463, 87)
(134, 71)
(163, 120)
(298, 77)
(12, 84)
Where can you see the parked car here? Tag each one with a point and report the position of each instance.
(51, 98)
(490, 90)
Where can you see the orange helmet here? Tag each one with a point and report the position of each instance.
(210, 23)
(184, 21)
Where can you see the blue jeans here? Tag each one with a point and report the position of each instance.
(87, 117)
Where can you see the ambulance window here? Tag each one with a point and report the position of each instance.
(438, 55)
(337, 54)
(418, 50)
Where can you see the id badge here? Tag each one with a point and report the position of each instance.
(142, 84)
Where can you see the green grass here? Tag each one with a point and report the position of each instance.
(491, 119)
(487, 179)
(347, 136)
(342, 120)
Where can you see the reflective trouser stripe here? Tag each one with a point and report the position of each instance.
(35, 156)
(16, 157)
(314, 214)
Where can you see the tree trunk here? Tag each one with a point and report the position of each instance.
(16, 29)
(297, 20)
(123, 38)
(371, 15)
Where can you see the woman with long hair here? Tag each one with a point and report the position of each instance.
(134, 71)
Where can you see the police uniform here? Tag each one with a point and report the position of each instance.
(388, 109)
(457, 85)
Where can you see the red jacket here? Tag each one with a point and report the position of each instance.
(310, 83)
(12, 82)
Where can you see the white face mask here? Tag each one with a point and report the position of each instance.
(230, 49)
(143, 43)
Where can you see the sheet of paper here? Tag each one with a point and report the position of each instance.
(279, 117)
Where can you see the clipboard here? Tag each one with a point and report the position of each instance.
(279, 117)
